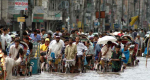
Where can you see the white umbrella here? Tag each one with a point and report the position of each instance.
(116, 33)
(105, 39)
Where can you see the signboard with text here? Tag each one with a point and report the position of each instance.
(21, 19)
(17, 5)
(38, 17)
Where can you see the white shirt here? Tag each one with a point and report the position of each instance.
(14, 51)
(5, 38)
(89, 36)
(56, 48)
(139, 41)
(54, 41)
(9, 64)
(80, 33)
(108, 54)
(122, 46)
(80, 48)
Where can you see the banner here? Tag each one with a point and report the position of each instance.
(133, 20)
(17, 5)
(79, 24)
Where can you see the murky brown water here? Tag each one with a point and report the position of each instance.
(139, 72)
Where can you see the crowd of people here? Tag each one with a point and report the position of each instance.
(61, 46)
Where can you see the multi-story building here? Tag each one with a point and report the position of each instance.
(55, 12)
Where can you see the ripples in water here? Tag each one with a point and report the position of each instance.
(139, 72)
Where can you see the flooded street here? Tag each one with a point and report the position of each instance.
(139, 72)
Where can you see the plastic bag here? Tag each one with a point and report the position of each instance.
(145, 51)
(53, 56)
(85, 61)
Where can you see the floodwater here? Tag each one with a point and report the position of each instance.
(139, 72)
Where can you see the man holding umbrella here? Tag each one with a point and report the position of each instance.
(106, 53)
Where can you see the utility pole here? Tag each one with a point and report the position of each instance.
(128, 15)
(48, 8)
(135, 1)
(70, 16)
(112, 14)
(146, 3)
(99, 15)
(104, 4)
(122, 14)
(142, 17)
(147, 12)
(84, 11)
(21, 23)
(139, 13)
(81, 11)
(92, 14)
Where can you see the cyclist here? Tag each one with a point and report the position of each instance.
(71, 52)
(126, 55)
(116, 59)
(56, 47)
(89, 52)
(106, 53)
(81, 49)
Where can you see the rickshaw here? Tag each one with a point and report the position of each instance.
(25, 60)
(35, 59)
(1, 72)
(117, 37)
(145, 42)
(2, 75)
(134, 60)
(126, 39)
(83, 39)
(108, 68)
(63, 62)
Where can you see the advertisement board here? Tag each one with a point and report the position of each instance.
(17, 5)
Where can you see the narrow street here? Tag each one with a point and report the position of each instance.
(64, 32)
(139, 72)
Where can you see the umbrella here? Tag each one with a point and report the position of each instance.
(116, 33)
(105, 39)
